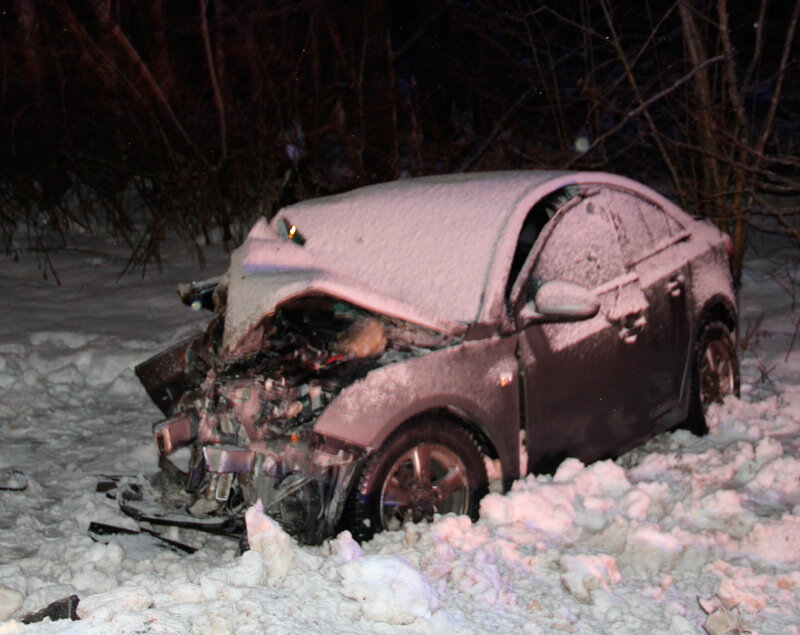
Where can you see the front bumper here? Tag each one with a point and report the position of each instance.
(302, 479)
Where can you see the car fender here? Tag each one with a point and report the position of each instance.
(476, 379)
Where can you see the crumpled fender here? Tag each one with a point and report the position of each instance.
(476, 380)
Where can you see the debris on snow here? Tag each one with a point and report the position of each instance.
(63, 609)
(722, 620)
(12, 480)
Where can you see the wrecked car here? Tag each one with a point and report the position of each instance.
(371, 353)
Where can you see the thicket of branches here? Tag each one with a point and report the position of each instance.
(151, 117)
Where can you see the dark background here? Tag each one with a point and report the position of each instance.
(152, 117)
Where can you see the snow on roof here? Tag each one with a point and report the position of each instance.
(431, 244)
(429, 241)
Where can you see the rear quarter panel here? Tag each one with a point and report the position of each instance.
(711, 281)
(710, 285)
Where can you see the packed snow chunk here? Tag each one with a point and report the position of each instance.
(577, 497)
(724, 502)
(780, 476)
(604, 478)
(10, 602)
(266, 537)
(649, 550)
(542, 510)
(774, 542)
(230, 581)
(586, 573)
(568, 470)
(106, 607)
(739, 587)
(636, 504)
(768, 448)
(346, 547)
(460, 532)
(389, 589)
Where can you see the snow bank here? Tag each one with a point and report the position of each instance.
(617, 547)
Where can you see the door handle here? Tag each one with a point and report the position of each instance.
(675, 286)
(631, 326)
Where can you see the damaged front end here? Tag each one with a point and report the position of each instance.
(247, 416)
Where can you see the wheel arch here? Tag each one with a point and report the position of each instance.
(458, 417)
(718, 308)
(461, 418)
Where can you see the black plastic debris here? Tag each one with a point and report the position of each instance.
(12, 480)
(199, 295)
(150, 513)
(107, 487)
(100, 531)
(63, 609)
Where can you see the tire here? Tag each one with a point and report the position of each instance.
(391, 491)
(715, 373)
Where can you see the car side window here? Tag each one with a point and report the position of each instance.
(535, 221)
(582, 248)
(642, 226)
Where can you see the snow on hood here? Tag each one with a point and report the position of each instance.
(428, 250)
(267, 271)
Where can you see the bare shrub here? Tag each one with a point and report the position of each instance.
(214, 112)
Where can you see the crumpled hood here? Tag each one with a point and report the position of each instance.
(266, 271)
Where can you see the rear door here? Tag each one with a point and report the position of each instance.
(648, 236)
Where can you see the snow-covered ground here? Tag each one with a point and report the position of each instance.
(656, 541)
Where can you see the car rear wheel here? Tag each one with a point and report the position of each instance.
(433, 467)
(715, 373)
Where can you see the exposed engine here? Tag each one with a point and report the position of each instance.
(249, 419)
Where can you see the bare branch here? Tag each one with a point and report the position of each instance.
(212, 74)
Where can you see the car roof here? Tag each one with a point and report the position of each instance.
(428, 241)
(434, 250)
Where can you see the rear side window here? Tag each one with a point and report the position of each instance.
(642, 226)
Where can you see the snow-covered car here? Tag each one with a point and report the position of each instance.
(374, 352)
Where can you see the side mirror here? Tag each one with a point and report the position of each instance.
(559, 301)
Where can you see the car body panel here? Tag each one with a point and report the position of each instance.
(592, 362)
(628, 366)
(477, 381)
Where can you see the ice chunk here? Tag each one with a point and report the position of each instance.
(389, 589)
(10, 602)
(266, 537)
(345, 547)
(585, 573)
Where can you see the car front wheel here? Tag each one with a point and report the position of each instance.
(433, 467)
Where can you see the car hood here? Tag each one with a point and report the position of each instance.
(267, 271)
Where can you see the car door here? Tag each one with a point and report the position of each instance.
(648, 236)
(582, 380)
